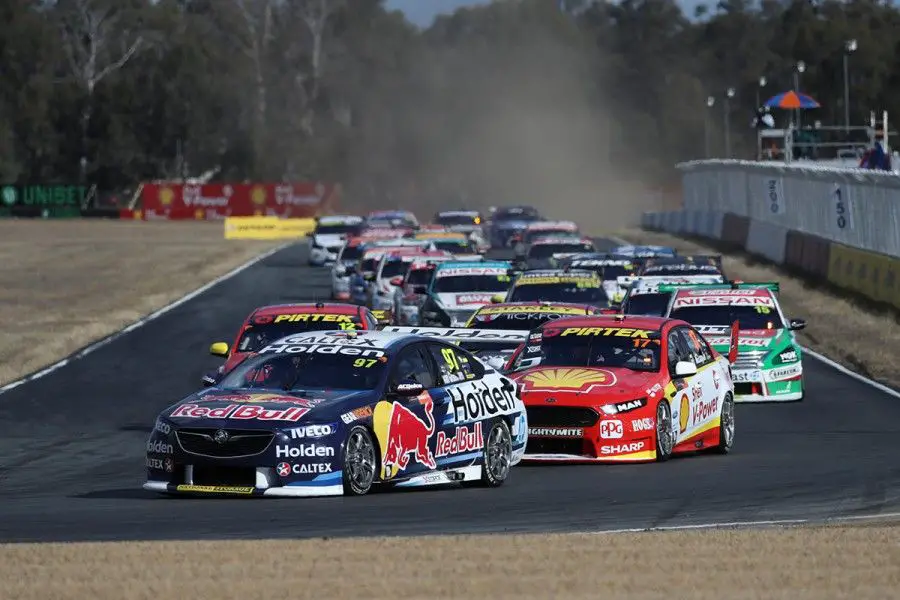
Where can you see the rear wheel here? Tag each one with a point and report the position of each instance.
(665, 436)
(726, 426)
(360, 462)
(497, 455)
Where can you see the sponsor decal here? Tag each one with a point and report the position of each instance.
(526, 310)
(724, 301)
(306, 451)
(532, 349)
(788, 356)
(463, 334)
(215, 489)
(567, 379)
(684, 413)
(717, 379)
(784, 372)
(402, 435)
(705, 411)
(608, 331)
(466, 299)
(162, 427)
(583, 281)
(464, 440)
(657, 388)
(726, 293)
(743, 376)
(286, 469)
(155, 463)
(611, 429)
(742, 341)
(464, 271)
(477, 400)
(630, 405)
(170, 465)
(311, 431)
(645, 424)
(623, 448)
(313, 317)
(320, 349)
(159, 447)
(357, 414)
(563, 432)
(238, 412)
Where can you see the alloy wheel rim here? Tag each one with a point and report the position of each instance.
(360, 460)
(498, 453)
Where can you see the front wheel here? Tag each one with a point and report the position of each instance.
(360, 462)
(665, 436)
(726, 426)
(497, 455)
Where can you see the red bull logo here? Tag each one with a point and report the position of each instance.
(402, 434)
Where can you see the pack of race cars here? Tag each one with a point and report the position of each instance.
(436, 364)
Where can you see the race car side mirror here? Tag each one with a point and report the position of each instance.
(396, 281)
(209, 379)
(219, 349)
(369, 276)
(684, 368)
(497, 298)
(408, 388)
(797, 324)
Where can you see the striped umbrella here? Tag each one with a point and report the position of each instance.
(792, 100)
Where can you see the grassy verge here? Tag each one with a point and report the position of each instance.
(773, 564)
(66, 283)
(853, 333)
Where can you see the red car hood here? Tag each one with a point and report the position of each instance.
(583, 386)
(234, 360)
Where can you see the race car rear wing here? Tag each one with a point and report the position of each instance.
(458, 334)
(772, 286)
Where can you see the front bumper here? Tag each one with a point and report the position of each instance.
(294, 491)
(781, 384)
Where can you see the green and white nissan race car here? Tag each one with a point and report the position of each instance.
(769, 365)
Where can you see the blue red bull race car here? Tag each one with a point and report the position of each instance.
(324, 413)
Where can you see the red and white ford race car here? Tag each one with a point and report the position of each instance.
(622, 388)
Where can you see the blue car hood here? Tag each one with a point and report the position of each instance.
(263, 409)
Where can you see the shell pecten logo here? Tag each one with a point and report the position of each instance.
(568, 379)
(166, 196)
(258, 195)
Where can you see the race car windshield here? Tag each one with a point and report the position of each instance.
(516, 214)
(749, 317)
(351, 253)
(420, 276)
(307, 371)
(471, 283)
(258, 336)
(559, 292)
(454, 246)
(654, 305)
(611, 351)
(520, 320)
(533, 235)
(449, 220)
(338, 228)
(548, 250)
(394, 268)
(369, 265)
(613, 271)
(681, 270)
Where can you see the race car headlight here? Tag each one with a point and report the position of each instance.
(788, 355)
(618, 408)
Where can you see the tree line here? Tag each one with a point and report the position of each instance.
(519, 100)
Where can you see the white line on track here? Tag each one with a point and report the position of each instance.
(751, 524)
(140, 322)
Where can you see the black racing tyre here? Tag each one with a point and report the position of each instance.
(665, 435)
(726, 426)
(360, 462)
(497, 455)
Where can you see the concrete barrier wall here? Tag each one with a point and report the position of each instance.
(837, 225)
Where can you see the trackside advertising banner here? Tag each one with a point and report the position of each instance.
(212, 201)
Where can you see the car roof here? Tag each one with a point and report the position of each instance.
(328, 308)
(625, 321)
(472, 264)
(724, 292)
(552, 225)
(550, 239)
(458, 213)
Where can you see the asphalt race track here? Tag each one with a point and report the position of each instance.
(72, 452)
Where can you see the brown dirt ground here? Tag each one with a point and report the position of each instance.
(66, 283)
(858, 336)
(772, 564)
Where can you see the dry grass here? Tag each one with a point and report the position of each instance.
(66, 283)
(860, 338)
(791, 564)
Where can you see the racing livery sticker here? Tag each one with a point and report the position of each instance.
(403, 435)
(567, 379)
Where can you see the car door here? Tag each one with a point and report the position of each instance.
(683, 388)
(405, 426)
(703, 387)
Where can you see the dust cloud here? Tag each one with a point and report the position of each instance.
(525, 120)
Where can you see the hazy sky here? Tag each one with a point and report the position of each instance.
(422, 12)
